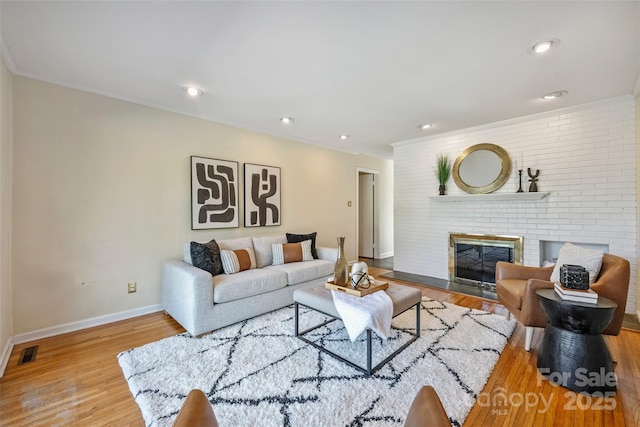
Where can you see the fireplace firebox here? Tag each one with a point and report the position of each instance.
(473, 257)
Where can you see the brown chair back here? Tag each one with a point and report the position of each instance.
(613, 283)
(427, 410)
(196, 411)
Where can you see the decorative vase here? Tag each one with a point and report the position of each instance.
(443, 189)
(341, 270)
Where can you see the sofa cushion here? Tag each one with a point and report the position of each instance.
(230, 287)
(233, 244)
(297, 238)
(206, 256)
(284, 253)
(186, 253)
(262, 248)
(237, 260)
(300, 272)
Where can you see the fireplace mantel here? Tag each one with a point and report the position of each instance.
(489, 197)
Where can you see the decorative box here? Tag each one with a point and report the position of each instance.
(574, 277)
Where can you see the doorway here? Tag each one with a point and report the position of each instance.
(366, 214)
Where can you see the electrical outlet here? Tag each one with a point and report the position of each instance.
(132, 287)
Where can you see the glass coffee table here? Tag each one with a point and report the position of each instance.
(318, 298)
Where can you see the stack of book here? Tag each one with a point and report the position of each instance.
(587, 296)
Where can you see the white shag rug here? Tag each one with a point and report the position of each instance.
(257, 373)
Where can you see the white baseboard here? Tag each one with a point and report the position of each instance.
(4, 356)
(84, 324)
(638, 315)
(386, 255)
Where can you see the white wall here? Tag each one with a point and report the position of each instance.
(102, 197)
(384, 246)
(587, 158)
(638, 174)
(6, 312)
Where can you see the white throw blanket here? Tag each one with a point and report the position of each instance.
(372, 311)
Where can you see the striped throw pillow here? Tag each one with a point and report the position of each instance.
(238, 260)
(284, 253)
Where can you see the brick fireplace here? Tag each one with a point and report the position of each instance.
(587, 161)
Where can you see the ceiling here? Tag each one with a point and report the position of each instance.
(372, 70)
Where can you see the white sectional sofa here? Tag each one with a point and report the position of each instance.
(201, 302)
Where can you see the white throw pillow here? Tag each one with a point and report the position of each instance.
(291, 252)
(590, 259)
(262, 248)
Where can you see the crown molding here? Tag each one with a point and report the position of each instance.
(5, 53)
(213, 119)
(513, 121)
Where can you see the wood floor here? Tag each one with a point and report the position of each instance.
(76, 379)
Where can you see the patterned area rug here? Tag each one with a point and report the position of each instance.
(257, 373)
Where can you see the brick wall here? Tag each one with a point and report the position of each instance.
(587, 161)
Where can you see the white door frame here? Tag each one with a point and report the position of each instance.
(376, 216)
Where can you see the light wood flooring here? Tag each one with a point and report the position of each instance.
(76, 379)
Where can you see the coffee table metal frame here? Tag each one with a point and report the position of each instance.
(368, 370)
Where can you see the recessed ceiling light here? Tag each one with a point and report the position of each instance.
(286, 119)
(544, 46)
(425, 126)
(556, 94)
(344, 136)
(193, 91)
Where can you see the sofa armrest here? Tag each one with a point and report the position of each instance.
(328, 254)
(187, 293)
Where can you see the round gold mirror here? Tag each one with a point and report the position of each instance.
(482, 168)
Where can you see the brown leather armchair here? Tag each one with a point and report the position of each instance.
(196, 411)
(516, 286)
(427, 410)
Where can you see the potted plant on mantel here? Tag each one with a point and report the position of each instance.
(443, 171)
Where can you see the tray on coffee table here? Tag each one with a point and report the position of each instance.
(376, 285)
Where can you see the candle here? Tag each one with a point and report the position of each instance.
(521, 162)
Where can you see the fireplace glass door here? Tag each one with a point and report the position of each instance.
(476, 263)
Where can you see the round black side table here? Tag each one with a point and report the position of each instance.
(573, 353)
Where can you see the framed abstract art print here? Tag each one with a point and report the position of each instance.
(214, 193)
(261, 195)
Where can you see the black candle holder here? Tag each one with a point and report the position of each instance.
(520, 190)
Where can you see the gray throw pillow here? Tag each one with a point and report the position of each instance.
(297, 238)
(207, 257)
